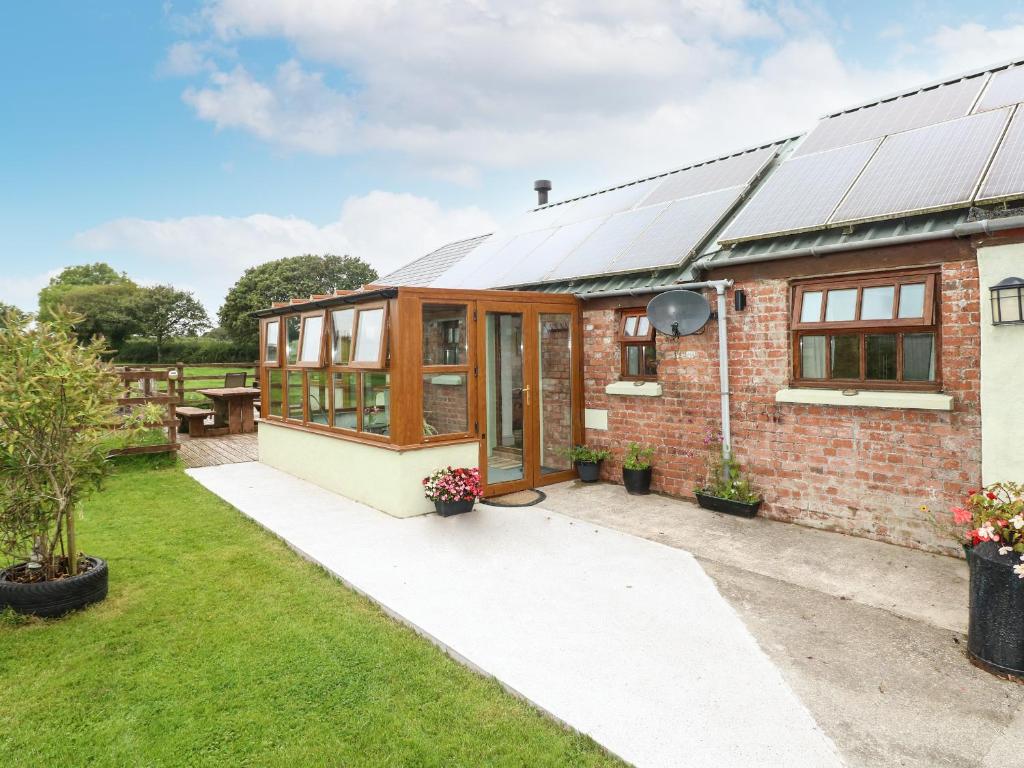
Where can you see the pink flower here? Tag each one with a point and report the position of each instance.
(961, 516)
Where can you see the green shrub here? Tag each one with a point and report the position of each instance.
(638, 456)
(187, 350)
(585, 455)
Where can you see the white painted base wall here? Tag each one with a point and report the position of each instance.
(1002, 362)
(391, 481)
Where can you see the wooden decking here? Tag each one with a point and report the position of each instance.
(209, 451)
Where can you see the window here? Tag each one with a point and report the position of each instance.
(291, 325)
(445, 375)
(341, 335)
(316, 397)
(271, 342)
(276, 385)
(369, 348)
(875, 331)
(444, 334)
(636, 340)
(311, 340)
(377, 403)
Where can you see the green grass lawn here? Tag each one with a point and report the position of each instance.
(219, 646)
(194, 398)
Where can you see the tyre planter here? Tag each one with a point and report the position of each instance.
(589, 471)
(637, 481)
(728, 506)
(995, 633)
(51, 599)
(450, 508)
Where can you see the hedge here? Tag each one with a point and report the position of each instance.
(187, 350)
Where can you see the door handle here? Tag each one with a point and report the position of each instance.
(526, 394)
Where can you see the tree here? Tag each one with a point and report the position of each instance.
(292, 277)
(103, 310)
(164, 312)
(74, 277)
(16, 313)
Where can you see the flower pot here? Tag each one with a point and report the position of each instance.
(637, 481)
(729, 506)
(449, 508)
(995, 641)
(589, 471)
(55, 598)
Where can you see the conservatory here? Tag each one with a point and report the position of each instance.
(367, 392)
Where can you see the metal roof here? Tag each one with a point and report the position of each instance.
(422, 271)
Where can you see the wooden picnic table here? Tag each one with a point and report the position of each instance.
(232, 408)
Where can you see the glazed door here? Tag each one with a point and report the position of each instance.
(527, 392)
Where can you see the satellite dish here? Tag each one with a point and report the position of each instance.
(679, 313)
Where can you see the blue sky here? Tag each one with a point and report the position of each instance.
(184, 142)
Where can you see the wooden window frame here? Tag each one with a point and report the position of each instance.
(626, 341)
(284, 339)
(319, 362)
(264, 326)
(380, 363)
(930, 322)
(465, 369)
(330, 336)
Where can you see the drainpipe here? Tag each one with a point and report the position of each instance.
(966, 229)
(720, 287)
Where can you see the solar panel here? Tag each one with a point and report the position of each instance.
(548, 253)
(1005, 176)
(1005, 88)
(925, 169)
(718, 174)
(596, 254)
(460, 274)
(677, 232)
(801, 193)
(540, 218)
(604, 203)
(935, 105)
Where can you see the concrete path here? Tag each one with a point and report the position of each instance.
(623, 639)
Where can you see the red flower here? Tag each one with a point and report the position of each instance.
(961, 516)
(991, 496)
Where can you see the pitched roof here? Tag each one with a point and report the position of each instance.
(422, 271)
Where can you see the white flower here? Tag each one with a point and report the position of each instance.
(1018, 521)
(1005, 550)
(1019, 570)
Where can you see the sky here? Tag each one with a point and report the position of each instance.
(184, 142)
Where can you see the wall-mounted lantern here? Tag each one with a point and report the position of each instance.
(1008, 301)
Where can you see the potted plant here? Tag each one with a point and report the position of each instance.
(725, 488)
(636, 469)
(990, 525)
(453, 490)
(587, 461)
(57, 404)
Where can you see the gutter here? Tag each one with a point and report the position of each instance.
(332, 301)
(965, 229)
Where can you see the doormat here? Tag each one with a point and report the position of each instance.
(517, 499)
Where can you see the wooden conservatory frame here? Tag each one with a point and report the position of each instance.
(381, 402)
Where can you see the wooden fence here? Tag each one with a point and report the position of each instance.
(156, 384)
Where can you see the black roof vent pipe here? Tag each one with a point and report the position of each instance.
(542, 187)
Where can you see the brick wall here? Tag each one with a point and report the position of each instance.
(864, 471)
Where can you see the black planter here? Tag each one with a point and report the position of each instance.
(995, 633)
(729, 506)
(449, 508)
(637, 481)
(589, 471)
(55, 598)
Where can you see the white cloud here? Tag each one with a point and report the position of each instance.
(23, 292)
(211, 252)
(974, 45)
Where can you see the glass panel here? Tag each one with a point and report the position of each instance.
(810, 312)
(880, 354)
(841, 306)
(504, 366)
(341, 335)
(444, 335)
(911, 300)
(641, 360)
(346, 402)
(845, 356)
(812, 357)
(643, 326)
(1006, 306)
(445, 403)
(312, 339)
(876, 303)
(292, 329)
(276, 387)
(631, 325)
(556, 391)
(371, 325)
(316, 396)
(919, 357)
(294, 398)
(377, 402)
(273, 340)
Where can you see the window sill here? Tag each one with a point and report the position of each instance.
(925, 401)
(635, 388)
